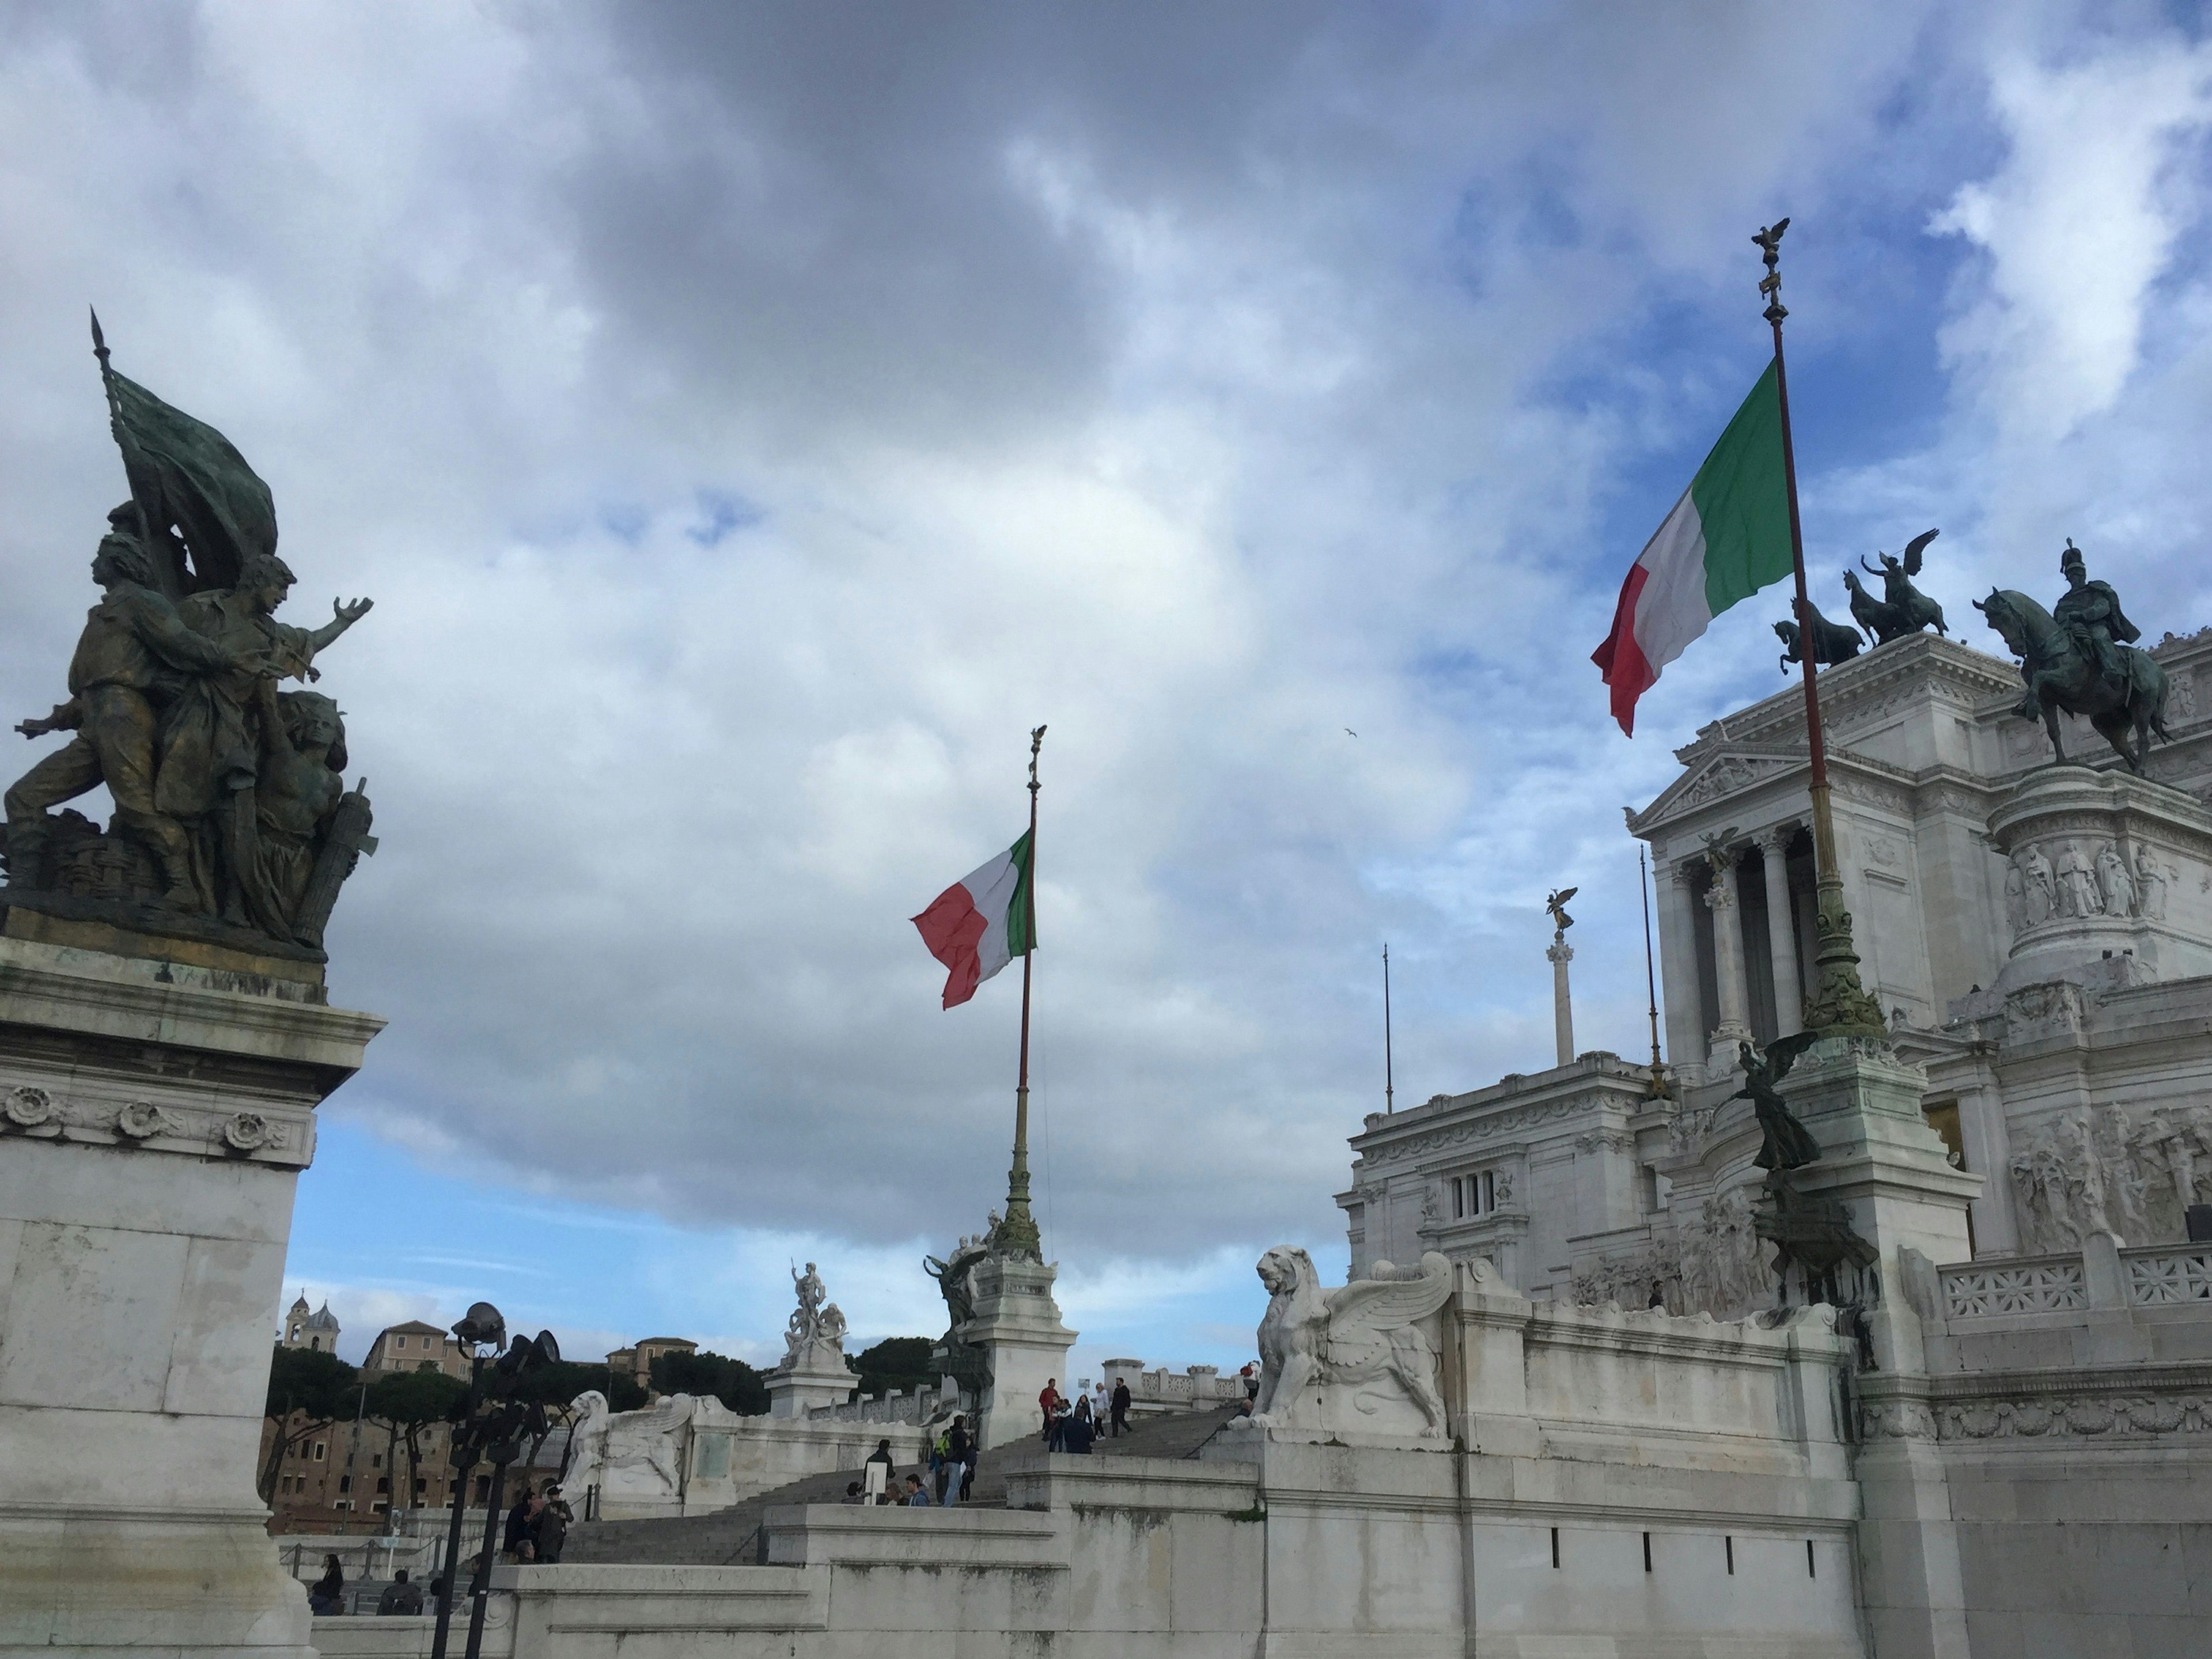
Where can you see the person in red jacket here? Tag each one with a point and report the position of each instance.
(1048, 1399)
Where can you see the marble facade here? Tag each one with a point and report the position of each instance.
(155, 1116)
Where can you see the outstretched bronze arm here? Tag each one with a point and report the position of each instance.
(66, 717)
(343, 616)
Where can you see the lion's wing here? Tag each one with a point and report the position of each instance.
(1384, 1305)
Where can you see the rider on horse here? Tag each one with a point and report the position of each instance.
(2090, 613)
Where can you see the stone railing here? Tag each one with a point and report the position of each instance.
(2016, 1284)
(2169, 1273)
(2154, 1276)
(1195, 1390)
(896, 1407)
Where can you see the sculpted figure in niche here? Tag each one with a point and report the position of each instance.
(1352, 1356)
(2150, 886)
(2042, 887)
(2015, 897)
(1723, 1261)
(2126, 1192)
(2115, 886)
(2078, 884)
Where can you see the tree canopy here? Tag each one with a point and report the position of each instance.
(732, 1381)
(413, 1398)
(307, 1380)
(897, 1362)
(553, 1386)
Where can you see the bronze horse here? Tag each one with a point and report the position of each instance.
(2059, 677)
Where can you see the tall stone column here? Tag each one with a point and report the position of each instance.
(1735, 1025)
(1016, 1324)
(1782, 931)
(1562, 1011)
(1678, 965)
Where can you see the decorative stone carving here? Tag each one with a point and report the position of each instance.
(2150, 886)
(810, 1328)
(142, 1120)
(2047, 1010)
(1632, 1281)
(1723, 1261)
(1725, 776)
(2181, 697)
(2060, 1188)
(2116, 884)
(28, 1108)
(246, 1132)
(2078, 883)
(1977, 1290)
(1432, 1208)
(631, 1457)
(1354, 1358)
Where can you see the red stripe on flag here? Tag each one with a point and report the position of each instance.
(952, 928)
(1620, 660)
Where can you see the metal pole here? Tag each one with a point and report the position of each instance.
(1839, 1004)
(1018, 1231)
(1390, 1080)
(1658, 1088)
(480, 1583)
(444, 1586)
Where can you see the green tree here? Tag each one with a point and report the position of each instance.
(411, 1401)
(732, 1381)
(555, 1386)
(308, 1391)
(897, 1362)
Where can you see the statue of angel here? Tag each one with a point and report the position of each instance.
(1786, 1144)
(1360, 1339)
(1557, 904)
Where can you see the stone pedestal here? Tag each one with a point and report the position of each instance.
(1016, 1324)
(2103, 864)
(816, 1375)
(155, 1116)
(1883, 1163)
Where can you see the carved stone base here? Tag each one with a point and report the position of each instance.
(816, 1376)
(156, 1117)
(1016, 1324)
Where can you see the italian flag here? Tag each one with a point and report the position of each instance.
(1727, 538)
(981, 922)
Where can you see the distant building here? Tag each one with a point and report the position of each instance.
(637, 1362)
(349, 1476)
(317, 1331)
(415, 1346)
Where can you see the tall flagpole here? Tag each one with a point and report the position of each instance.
(1838, 1004)
(1389, 1081)
(1658, 1088)
(1017, 1233)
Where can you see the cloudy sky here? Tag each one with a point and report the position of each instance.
(749, 421)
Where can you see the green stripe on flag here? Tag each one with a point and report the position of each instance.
(1742, 502)
(1021, 916)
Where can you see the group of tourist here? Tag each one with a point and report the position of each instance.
(950, 1479)
(1071, 1424)
(326, 1596)
(537, 1526)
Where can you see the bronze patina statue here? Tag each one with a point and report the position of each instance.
(1832, 642)
(2078, 659)
(232, 824)
(1902, 608)
(1785, 1143)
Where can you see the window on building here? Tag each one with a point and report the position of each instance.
(483, 1488)
(427, 1366)
(345, 1483)
(378, 1507)
(376, 1460)
(1475, 1194)
(383, 1484)
(421, 1485)
(398, 1341)
(295, 1333)
(321, 1448)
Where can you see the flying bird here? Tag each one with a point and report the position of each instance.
(1349, 732)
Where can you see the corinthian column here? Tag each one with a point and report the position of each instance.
(1563, 1009)
(1782, 931)
(1735, 1026)
(1678, 965)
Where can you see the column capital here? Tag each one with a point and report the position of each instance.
(1560, 950)
(1720, 895)
(1683, 872)
(1774, 841)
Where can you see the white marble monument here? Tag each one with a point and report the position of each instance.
(155, 1116)
(813, 1371)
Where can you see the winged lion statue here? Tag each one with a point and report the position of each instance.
(1358, 1345)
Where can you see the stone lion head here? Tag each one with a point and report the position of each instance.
(1285, 1270)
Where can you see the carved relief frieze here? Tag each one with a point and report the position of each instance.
(38, 1114)
(1487, 1128)
(2108, 1171)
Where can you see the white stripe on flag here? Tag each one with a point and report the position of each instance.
(1672, 610)
(991, 891)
